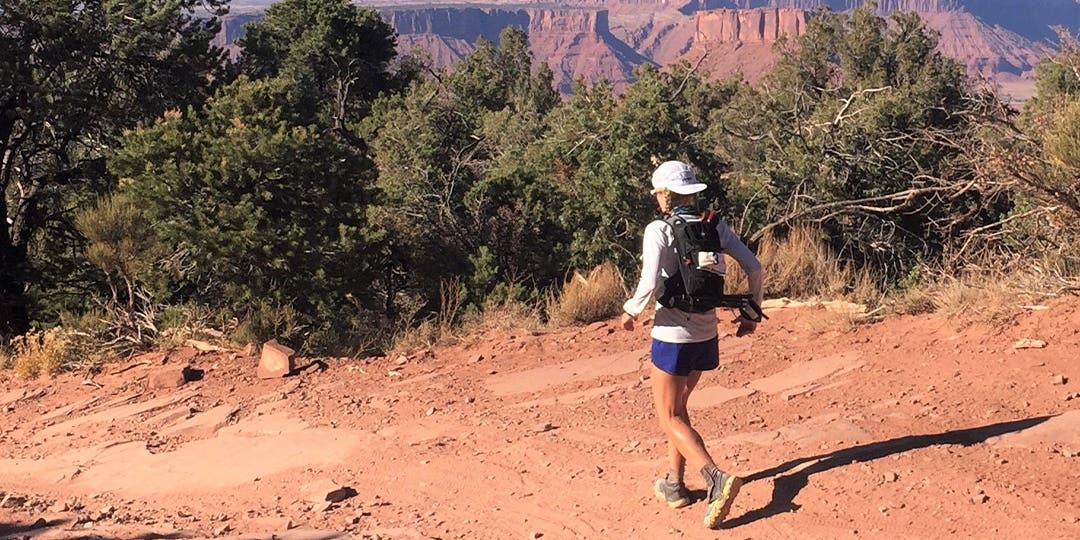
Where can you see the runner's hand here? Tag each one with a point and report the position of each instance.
(746, 327)
(627, 322)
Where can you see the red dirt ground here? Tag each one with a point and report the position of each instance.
(913, 427)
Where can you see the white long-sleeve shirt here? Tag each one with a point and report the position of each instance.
(659, 260)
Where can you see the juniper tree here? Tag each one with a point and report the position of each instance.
(460, 194)
(864, 130)
(338, 55)
(268, 208)
(73, 76)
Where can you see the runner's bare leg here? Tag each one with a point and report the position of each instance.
(675, 458)
(670, 394)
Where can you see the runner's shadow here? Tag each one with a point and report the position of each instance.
(786, 487)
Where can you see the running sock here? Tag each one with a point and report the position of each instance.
(710, 472)
(673, 478)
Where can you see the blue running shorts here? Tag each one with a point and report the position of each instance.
(680, 359)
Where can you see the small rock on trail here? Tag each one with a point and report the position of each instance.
(325, 490)
(271, 524)
(167, 378)
(1027, 343)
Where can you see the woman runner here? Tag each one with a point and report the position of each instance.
(685, 344)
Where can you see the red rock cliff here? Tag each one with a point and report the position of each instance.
(740, 41)
(577, 21)
(886, 6)
(749, 26)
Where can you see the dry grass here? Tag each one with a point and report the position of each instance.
(982, 293)
(450, 325)
(7, 360)
(412, 338)
(801, 266)
(441, 329)
(823, 321)
(505, 315)
(589, 298)
(44, 353)
(264, 320)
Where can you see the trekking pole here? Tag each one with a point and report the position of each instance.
(745, 303)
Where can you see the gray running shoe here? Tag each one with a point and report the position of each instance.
(723, 488)
(675, 495)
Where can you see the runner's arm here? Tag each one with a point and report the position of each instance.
(651, 246)
(734, 247)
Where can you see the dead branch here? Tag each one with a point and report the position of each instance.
(974, 233)
(130, 367)
(897, 201)
(851, 99)
(686, 78)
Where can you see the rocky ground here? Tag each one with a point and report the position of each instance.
(911, 427)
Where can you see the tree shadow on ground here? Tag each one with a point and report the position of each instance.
(788, 486)
(18, 531)
(147, 536)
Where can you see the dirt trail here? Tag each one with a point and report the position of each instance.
(914, 427)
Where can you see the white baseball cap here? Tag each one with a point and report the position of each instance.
(677, 177)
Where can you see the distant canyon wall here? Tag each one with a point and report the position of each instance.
(888, 6)
(466, 23)
(594, 39)
(471, 23)
(1032, 19)
(577, 43)
(232, 29)
(884, 6)
(989, 51)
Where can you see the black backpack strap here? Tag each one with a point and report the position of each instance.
(678, 237)
(713, 219)
(674, 220)
(672, 284)
(675, 286)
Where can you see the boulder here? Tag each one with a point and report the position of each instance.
(276, 360)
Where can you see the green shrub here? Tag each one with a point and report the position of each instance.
(266, 320)
(120, 241)
(91, 321)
